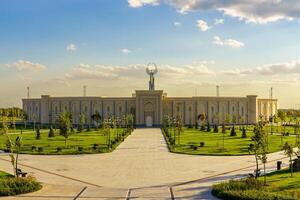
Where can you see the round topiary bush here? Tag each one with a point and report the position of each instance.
(202, 144)
(40, 149)
(80, 149)
(33, 148)
(194, 147)
(58, 149)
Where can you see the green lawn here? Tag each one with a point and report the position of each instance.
(4, 175)
(281, 182)
(85, 140)
(234, 145)
(280, 186)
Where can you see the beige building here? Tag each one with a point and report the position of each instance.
(149, 107)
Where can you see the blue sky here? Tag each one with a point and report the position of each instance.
(110, 38)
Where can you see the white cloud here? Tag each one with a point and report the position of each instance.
(71, 47)
(202, 25)
(125, 51)
(85, 71)
(25, 65)
(254, 11)
(227, 42)
(219, 21)
(177, 24)
(286, 68)
(141, 3)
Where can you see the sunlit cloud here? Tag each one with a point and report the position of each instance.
(227, 42)
(71, 47)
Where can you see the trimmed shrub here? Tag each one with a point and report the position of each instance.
(95, 146)
(14, 186)
(233, 132)
(51, 132)
(216, 129)
(38, 134)
(202, 144)
(58, 149)
(80, 149)
(194, 147)
(40, 149)
(244, 134)
(202, 128)
(223, 129)
(33, 148)
(208, 127)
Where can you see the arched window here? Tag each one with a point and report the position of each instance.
(108, 109)
(120, 109)
(233, 109)
(212, 109)
(56, 110)
(242, 111)
(85, 109)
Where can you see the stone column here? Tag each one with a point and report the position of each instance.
(252, 109)
(45, 111)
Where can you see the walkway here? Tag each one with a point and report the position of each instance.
(140, 167)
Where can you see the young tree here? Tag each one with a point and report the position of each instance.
(38, 134)
(216, 129)
(179, 127)
(244, 133)
(282, 116)
(10, 146)
(288, 151)
(97, 119)
(232, 131)
(51, 132)
(65, 123)
(130, 122)
(257, 144)
(81, 123)
(17, 144)
(223, 135)
(24, 118)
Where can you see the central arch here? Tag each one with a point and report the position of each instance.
(148, 114)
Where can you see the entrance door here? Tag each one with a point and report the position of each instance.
(149, 121)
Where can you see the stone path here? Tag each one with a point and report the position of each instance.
(140, 168)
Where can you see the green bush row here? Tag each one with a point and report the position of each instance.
(247, 189)
(14, 186)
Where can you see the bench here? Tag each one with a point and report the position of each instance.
(255, 174)
(21, 173)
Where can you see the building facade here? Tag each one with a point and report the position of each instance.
(150, 106)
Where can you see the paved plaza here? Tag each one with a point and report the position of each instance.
(140, 168)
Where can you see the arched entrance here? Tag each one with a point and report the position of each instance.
(148, 114)
(149, 121)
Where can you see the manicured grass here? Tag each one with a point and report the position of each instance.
(190, 140)
(9, 185)
(4, 175)
(282, 182)
(90, 142)
(280, 186)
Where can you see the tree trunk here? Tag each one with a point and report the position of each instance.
(265, 175)
(256, 160)
(17, 157)
(291, 166)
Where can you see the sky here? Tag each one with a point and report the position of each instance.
(56, 47)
